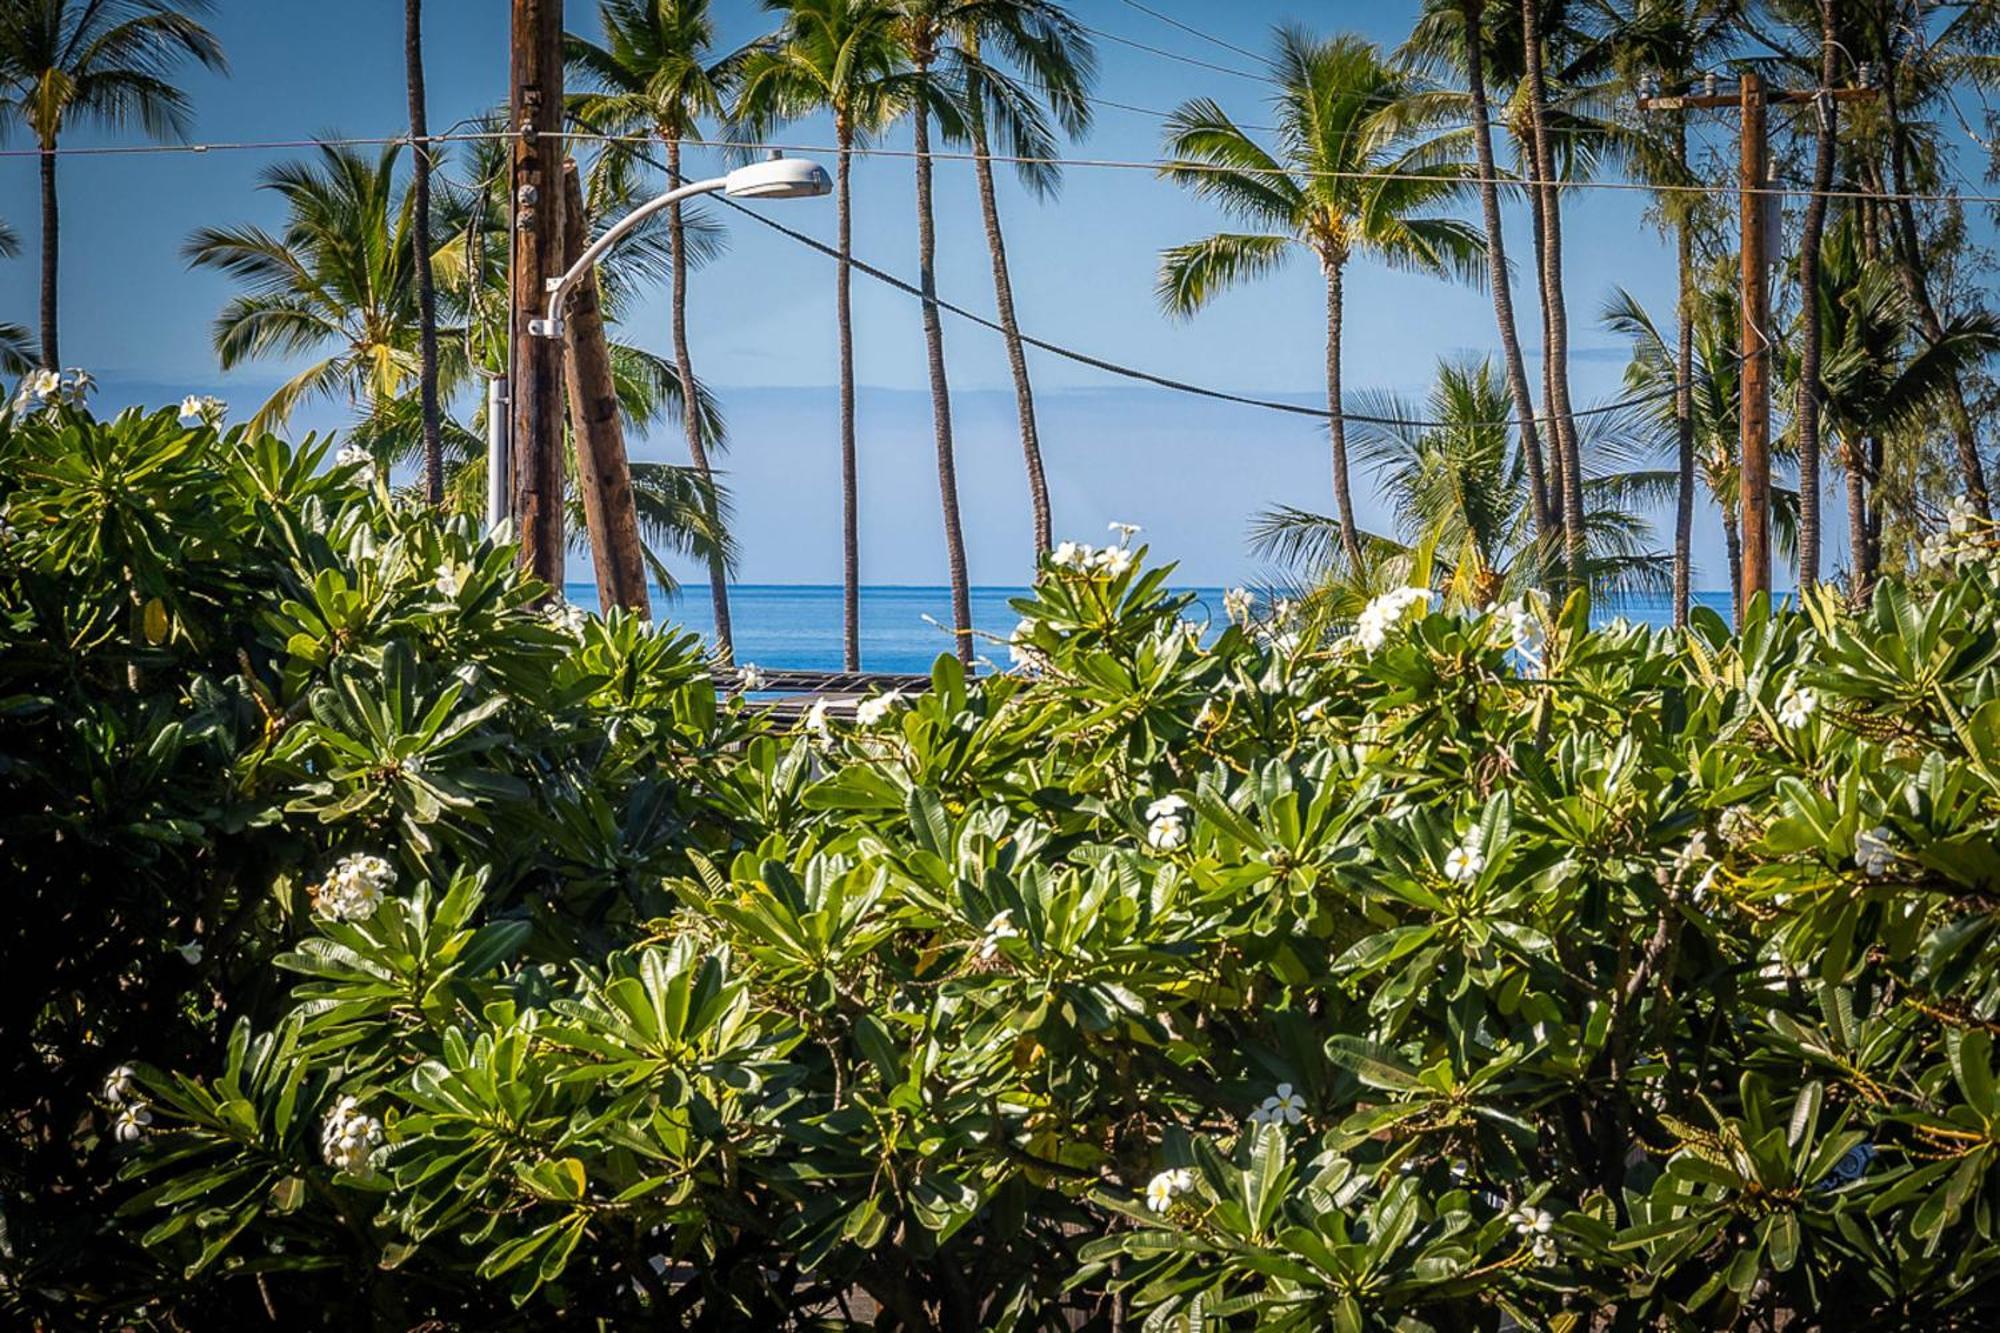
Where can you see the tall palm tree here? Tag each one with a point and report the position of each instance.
(107, 62)
(17, 346)
(1882, 374)
(1338, 186)
(1052, 51)
(420, 241)
(1454, 473)
(927, 30)
(842, 57)
(657, 73)
(1454, 32)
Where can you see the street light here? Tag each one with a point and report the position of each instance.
(777, 177)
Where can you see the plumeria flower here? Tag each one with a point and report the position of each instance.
(1464, 862)
(1021, 650)
(81, 382)
(815, 721)
(36, 388)
(354, 455)
(1384, 613)
(1960, 516)
(1162, 1188)
(349, 1136)
(1236, 603)
(119, 1083)
(129, 1125)
(1873, 852)
(1796, 705)
(870, 711)
(1126, 531)
(1529, 1220)
(1284, 1106)
(354, 888)
(1737, 827)
(202, 409)
(1114, 561)
(1071, 555)
(1166, 828)
(749, 678)
(1001, 927)
(568, 617)
(449, 579)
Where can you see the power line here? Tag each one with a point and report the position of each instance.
(1176, 56)
(1151, 166)
(1192, 31)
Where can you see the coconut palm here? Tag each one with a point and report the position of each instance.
(17, 346)
(422, 249)
(1454, 472)
(1882, 374)
(841, 57)
(1054, 56)
(106, 62)
(1340, 184)
(657, 73)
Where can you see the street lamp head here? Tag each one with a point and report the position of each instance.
(778, 178)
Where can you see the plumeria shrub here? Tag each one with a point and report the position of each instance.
(403, 952)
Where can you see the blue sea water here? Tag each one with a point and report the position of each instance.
(798, 626)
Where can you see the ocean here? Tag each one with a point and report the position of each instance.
(798, 625)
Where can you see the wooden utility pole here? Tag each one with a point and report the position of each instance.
(1757, 199)
(603, 474)
(1753, 179)
(536, 256)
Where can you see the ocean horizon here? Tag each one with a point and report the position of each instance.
(798, 625)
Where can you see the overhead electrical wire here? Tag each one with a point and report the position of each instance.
(1191, 30)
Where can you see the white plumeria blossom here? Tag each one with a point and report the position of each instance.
(1020, 645)
(199, 409)
(1384, 613)
(1071, 555)
(354, 888)
(1283, 1106)
(1236, 603)
(1873, 851)
(353, 455)
(568, 617)
(449, 579)
(1162, 1188)
(1001, 927)
(1796, 704)
(1126, 531)
(870, 711)
(1113, 561)
(119, 1084)
(1737, 826)
(1960, 516)
(36, 388)
(1166, 828)
(129, 1124)
(1283, 610)
(349, 1137)
(815, 722)
(1532, 1221)
(749, 678)
(1464, 862)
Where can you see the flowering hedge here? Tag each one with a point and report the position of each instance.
(403, 951)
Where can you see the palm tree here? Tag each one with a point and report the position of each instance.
(65, 62)
(1042, 41)
(1711, 331)
(338, 281)
(1455, 32)
(420, 241)
(1454, 472)
(656, 73)
(842, 57)
(1338, 186)
(927, 30)
(1882, 374)
(17, 347)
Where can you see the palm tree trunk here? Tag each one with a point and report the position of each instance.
(954, 537)
(1684, 413)
(1732, 547)
(1343, 498)
(1554, 315)
(1909, 255)
(1857, 523)
(420, 241)
(718, 575)
(1010, 332)
(1496, 261)
(850, 513)
(51, 242)
(1809, 351)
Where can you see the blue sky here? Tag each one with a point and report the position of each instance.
(761, 317)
